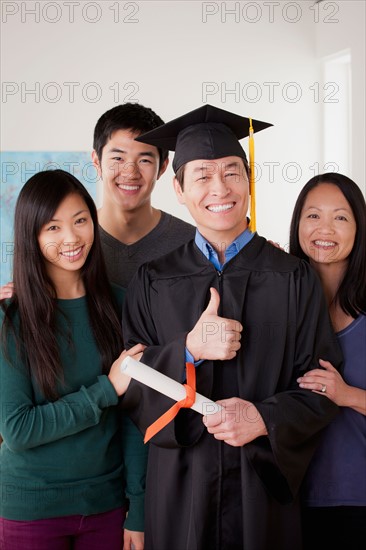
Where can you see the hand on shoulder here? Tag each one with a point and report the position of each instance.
(6, 291)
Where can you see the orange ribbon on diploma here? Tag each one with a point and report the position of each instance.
(185, 394)
(185, 403)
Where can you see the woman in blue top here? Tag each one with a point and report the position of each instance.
(66, 464)
(328, 229)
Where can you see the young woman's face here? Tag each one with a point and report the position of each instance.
(65, 241)
(327, 227)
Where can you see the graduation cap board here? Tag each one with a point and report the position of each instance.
(208, 133)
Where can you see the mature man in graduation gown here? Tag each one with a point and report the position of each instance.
(252, 319)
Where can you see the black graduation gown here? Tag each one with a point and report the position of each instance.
(280, 303)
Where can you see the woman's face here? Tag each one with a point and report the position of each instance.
(65, 241)
(327, 227)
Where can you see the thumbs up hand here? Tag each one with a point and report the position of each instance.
(214, 303)
(214, 337)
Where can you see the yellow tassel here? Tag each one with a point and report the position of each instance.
(253, 221)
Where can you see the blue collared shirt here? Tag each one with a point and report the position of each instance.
(209, 251)
(232, 250)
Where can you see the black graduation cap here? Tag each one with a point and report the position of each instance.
(206, 133)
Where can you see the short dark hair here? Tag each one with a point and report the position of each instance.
(180, 172)
(351, 294)
(129, 116)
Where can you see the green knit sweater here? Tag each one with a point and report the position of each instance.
(74, 455)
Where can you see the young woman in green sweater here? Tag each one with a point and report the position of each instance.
(67, 460)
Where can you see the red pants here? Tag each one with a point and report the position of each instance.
(96, 532)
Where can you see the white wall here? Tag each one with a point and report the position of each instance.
(169, 55)
(333, 38)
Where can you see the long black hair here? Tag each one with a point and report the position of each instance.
(351, 294)
(35, 295)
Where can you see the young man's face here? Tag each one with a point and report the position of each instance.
(129, 170)
(216, 193)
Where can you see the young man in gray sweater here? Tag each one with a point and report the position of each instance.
(132, 230)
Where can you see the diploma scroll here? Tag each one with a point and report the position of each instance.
(165, 385)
